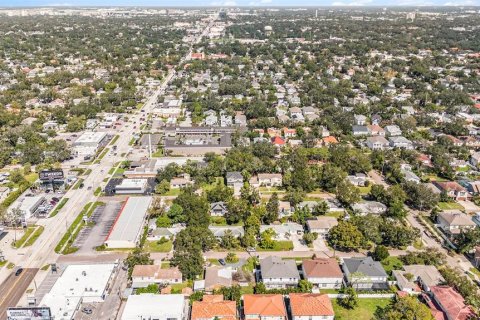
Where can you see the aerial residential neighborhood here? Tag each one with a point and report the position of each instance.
(229, 162)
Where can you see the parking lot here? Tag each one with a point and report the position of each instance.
(103, 218)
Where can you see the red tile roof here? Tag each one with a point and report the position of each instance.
(264, 305)
(311, 304)
(214, 306)
(452, 303)
(278, 141)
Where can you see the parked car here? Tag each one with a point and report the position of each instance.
(87, 310)
(222, 262)
(19, 271)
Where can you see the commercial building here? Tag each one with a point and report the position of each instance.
(132, 186)
(89, 143)
(197, 141)
(155, 306)
(127, 228)
(78, 284)
(29, 206)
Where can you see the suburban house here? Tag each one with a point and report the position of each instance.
(234, 178)
(393, 130)
(264, 307)
(400, 142)
(270, 179)
(278, 273)
(218, 209)
(215, 278)
(284, 209)
(323, 273)
(453, 222)
(314, 306)
(321, 225)
(219, 231)
(376, 130)
(359, 179)
(377, 143)
(453, 190)
(144, 275)
(450, 303)
(365, 273)
(180, 182)
(360, 120)
(475, 159)
(283, 231)
(214, 307)
(417, 277)
(366, 207)
(360, 131)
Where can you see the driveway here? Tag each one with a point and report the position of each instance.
(469, 206)
(320, 245)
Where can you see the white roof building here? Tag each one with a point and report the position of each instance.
(127, 229)
(77, 284)
(154, 306)
(131, 186)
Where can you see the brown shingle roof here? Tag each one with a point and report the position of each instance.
(322, 268)
(156, 271)
(311, 304)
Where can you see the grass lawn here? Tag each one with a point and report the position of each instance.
(364, 311)
(28, 232)
(177, 287)
(34, 236)
(165, 264)
(77, 184)
(218, 221)
(58, 207)
(365, 190)
(475, 271)
(247, 290)
(172, 192)
(97, 191)
(392, 263)
(450, 206)
(32, 177)
(279, 246)
(335, 214)
(119, 171)
(154, 246)
(434, 177)
(463, 169)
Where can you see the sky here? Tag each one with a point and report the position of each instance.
(14, 3)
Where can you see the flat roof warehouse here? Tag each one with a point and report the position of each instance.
(127, 228)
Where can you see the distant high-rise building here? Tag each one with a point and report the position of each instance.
(411, 16)
(316, 14)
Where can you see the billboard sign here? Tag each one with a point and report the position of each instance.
(33, 313)
(46, 175)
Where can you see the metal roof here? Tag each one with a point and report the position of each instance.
(129, 222)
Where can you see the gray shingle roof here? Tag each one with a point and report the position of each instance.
(275, 267)
(365, 266)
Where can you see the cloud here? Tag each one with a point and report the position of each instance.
(63, 4)
(259, 3)
(354, 3)
(413, 3)
(224, 3)
(461, 3)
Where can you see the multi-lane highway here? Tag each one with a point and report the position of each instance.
(42, 251)
(13, 288)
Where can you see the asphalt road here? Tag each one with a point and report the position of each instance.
(13, 288)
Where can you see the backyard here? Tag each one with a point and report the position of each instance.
(364, 311)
